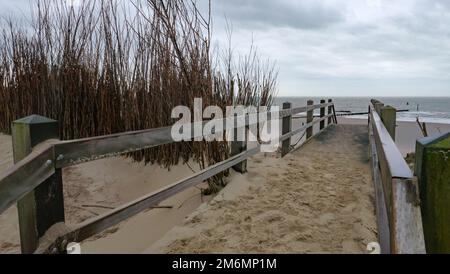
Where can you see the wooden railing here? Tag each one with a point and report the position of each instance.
(397, 198)
(35, 181)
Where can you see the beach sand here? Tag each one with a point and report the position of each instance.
(115, 181)
(318, 199)
(91, 189)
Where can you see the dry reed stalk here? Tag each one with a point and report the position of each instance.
(102, 68)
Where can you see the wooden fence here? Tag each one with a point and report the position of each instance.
(35, 181)
(397, 198)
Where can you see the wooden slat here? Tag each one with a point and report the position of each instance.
(68, 153)
(407, 219)
(286, 128)
(99, 224)
(26, 175)
(74, 152)
(79, 151)
(401, 194)
(397, 165)
(381, 211)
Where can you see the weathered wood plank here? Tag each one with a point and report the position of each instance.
(84, 150)
(322, 114)
(42, 207)
(309, 119)
(397, 165)
(68, 153)
(237, 147)
(407, 229)
(99, 224)
(381, 211)
(26, 175)
(330, 111)
(401, 194)
(286, 128)
(388, 115)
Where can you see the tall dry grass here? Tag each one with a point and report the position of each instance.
(106, 67)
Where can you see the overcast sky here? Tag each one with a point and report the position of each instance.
(341, 47)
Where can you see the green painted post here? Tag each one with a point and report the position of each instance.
(388, 115)
(310, 119)
(44, 207)
(433, 172)
(286, 128)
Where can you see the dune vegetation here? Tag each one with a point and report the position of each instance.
(104, 67)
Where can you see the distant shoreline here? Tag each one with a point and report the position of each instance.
(407, 132)
(434, 110)
(437, 121)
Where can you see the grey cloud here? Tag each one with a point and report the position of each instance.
(261, 14)
(341, 46)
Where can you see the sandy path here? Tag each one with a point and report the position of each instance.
(318, 199)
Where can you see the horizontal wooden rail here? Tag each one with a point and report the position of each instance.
(56, 243)
(26, 175)
(101, 223)
(29, 173)
(399, 192)
(380, 201)
(89, 149)
(303, 128)
(53, 155)
(394, 159)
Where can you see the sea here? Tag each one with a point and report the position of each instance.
(427, 109)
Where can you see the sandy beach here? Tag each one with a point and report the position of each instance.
(93, 188)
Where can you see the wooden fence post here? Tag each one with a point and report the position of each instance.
(330, 111)
(310, 119)
(322, 114)
(237, 147)
(43, 207)
(388, 115)
(433, 172)
(286, 128)
(377, 105)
